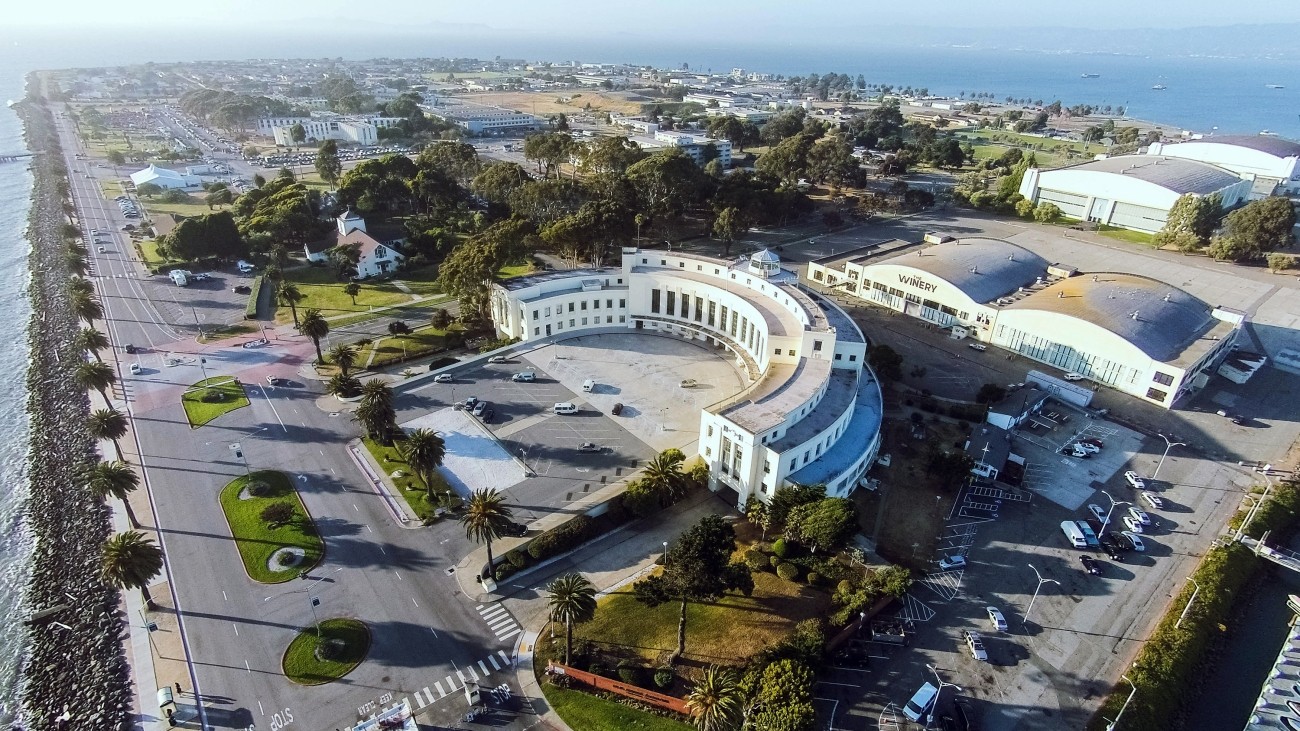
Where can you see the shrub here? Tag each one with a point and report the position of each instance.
(258, 488)
(516, 558)
(756, 560)
(813, 578)
(629, 672)
(779, 548)
(664, 678)
(639, 500)
(787, 571)
(330, 650)
(286, 559)
(212, 397)
(774, 561)
(254, 296)
(277, 514)
(561, 538)
(596, 668)
(844, 587)
(397, 327)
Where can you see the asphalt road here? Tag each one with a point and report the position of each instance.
(425, 634)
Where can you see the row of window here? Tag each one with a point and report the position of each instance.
(609, 320)
(595, 305)
(719, 317)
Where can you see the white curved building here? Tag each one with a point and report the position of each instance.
(1133, 333)
(1273, 163)
(811, 410)
(1131, 191)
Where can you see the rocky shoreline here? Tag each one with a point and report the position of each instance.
(74, 673)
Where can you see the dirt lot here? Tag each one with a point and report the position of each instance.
(547, 103)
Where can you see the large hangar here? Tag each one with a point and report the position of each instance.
(1132, 333)
(1273, 163)
(1131, 191)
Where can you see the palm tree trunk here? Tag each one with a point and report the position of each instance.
(492, 570)
(320, 357)
(428, 487)
(118, 448)
(97, 358)
(148, 598)
(568, 638)
(681, 636)
(130, 514)
(104, 392)
(294, 309)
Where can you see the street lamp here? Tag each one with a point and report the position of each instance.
(1258, 502)
(1041, 581)
(1111, 726)
(1168, 446)
(1113, 502)
(930, 718)
(1195, 591)
(311, 600)
(239, 451)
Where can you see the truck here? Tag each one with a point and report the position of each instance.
(180, 277)
(1073, 534)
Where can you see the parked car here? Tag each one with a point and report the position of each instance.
(1134, 525)
(136, 369)
(1098, 511)
(444, 378)
(1094, 441)
(1139, 515)
(469, 402)
(588, 447)
(1137, 483)
(1134, 540)
(618, 409)
(1153, 500)
(515, 529)
(981, 347)
(1090, 565)
(102, 250)
(498, 359)
(524, 377)
(996, 618)
(948, 563)
(1072, 376)
(241, 289)
(480, 407)
(1114, 551)
(1089, 448)
(1076, 451)
(975, 644)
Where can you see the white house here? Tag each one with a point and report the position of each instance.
(375, 258)
(164, 178)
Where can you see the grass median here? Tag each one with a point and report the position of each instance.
(212, 397)
(582, 711)
(271, 553)
(390, 460)
(313, 660)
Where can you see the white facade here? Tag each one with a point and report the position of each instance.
(1132, 333)
(693, 144)
(811, 412)
(1271, 161)
(486, 120)
(164, 178)
(321, 127)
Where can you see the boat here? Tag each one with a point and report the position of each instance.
(1090, 76)
(1274, 86)
(10, 103)
(1159, 87)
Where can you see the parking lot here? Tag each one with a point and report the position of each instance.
(635, 370)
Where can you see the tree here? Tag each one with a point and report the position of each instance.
(1280, 262)
(948, 468)
(788, 497)
(831, 160)
(375, 411)
(1046, 212)
(278, 513)
(130, 561)
(440, 319)
(328, 166)
(1258, 227)
(298, 133)
(116, 480)
(548, 150)
(315, 326)
(827, 523)
(788, 161)
(728, 226)
(663, 476)
(990, 393)
(212, 234)
(486, 518)
(571, 598)
(886, 362)
(344, 356)
(352, 289)
(697, 568)
(92, 340)
(343, 386)
(219, 197)
(108, 424)
(115, 157)
(148, 190)
(783, 697)
(1191, 222)
(666, 183)
(97, 375)
(714, 701)
(424, 451)
(611, 155)
(87, 307)
(290, 295)
(756, 513)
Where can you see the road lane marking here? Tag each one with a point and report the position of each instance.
(354, 507)
(509, 634)
(232, 624)
(260, 709)
(223, 596)
(399, 576)
(492, 660)
(441, 693)
(250, 670)
(504, 659)
(473, 675)
(483, 667)
(372, 530)
(381, 550)
(451, 683)
(273, 410)
(460, 675)
(434, 631)
(414, 602)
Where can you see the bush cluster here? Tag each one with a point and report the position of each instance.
(562, 538)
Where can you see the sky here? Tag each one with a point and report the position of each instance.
(748, 20)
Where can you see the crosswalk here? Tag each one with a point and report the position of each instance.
(498, 620)
(472, 673)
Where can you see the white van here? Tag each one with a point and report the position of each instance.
(566, 407)
(921, 703)
(244, 266)
(1072, 532)
(588, 385)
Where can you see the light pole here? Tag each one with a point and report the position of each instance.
(930, 718)
(1111, 726)
(1041, 581)
(239, 452)
(1113, 502)
(1168, 446)
(1195, 591)
(1258, 502)
(311, 600)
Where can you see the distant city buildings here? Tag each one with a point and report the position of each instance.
(321, 126)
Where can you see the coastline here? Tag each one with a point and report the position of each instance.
(79, 672)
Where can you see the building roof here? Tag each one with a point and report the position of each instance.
(868, 413)
(1175, 174)
(765, 255)
(984, 269)
(1279, 146)
(1157, 318)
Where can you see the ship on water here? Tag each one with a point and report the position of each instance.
(1274, 86)
(1159, 87)
(1090, 76)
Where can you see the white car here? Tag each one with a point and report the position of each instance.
(497, 359)
(998, 621)
(1139, 515)
(1098, 511)
(443, 378)
(1089, 448)
(136, 369)
(1153, 500)
(1072, 376)
(948, 563)
(102, 249)
(1136, 540)
(1133, 524)
(256, 343)
(1137, 483)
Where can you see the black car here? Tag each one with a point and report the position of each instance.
(1091, 565)
(618, 409)
(965, 715)
(242, 289)
(130, 349)
(515, 529)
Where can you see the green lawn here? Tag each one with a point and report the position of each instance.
(200, 411)
(301, 665)
(583, 712)
(401, 347)
(193, 207)
(727, 631)
(390, 460)
(1123, 234)
(257, 542)
(517, 270)
(149, 250)
(322, 289)
(226, 331)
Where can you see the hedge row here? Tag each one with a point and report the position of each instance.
(254, 297)
(562, 538)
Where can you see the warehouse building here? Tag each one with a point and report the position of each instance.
(1273, 163)
(1131, 191)
(811, 411)
(1130, 332)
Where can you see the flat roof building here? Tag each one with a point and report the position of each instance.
(1273, 163)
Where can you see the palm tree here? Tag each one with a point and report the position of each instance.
(289, 295)
(77, 284)
(131, 561)
(352, 289)
(314, 326)
(108, 424)
(117, 480)
(87, 308)
(714, 702)
(375, 411)
(663, 475)
(88, 338)
(571, 598)
(424, 451)
(78, 263)
(344, 356)
(343, 386)
(97, 375)
(486, 517)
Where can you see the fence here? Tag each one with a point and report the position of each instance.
(637, 693)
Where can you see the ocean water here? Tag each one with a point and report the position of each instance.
(1203, 95)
